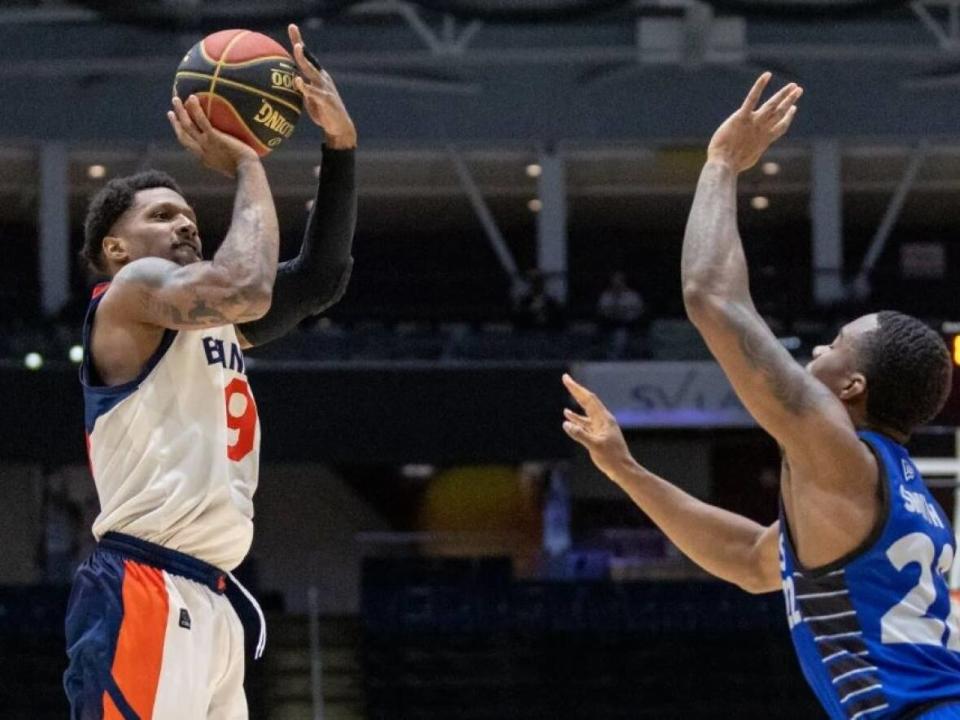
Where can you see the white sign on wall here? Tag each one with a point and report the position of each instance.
(665, 394)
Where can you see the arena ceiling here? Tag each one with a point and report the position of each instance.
(639, 70)
(628, 95)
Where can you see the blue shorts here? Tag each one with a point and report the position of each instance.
(153, 633)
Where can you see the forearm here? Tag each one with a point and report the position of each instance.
(713, 262)
(722, 543)
(317, 278)
(250, 250)
(328, 240)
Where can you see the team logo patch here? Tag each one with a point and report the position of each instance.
(908, 472)
(184, 618)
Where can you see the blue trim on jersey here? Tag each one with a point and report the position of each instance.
(867, 651)
(101, 399)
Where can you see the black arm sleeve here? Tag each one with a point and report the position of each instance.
(317, 278)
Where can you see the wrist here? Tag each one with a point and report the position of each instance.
(344, 141)
(622, 469)
(247, 162)
(721, 161)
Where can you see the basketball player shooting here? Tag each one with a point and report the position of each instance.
(153, 628)
(861, 549)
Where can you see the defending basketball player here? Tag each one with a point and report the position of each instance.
(153, 624)
(861, 550)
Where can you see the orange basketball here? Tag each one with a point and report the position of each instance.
(244, 81)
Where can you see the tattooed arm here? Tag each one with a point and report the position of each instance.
(797, 409)
(152, 294)
(717, 297)
(236, 286)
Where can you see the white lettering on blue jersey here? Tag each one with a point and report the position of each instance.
(916, 503)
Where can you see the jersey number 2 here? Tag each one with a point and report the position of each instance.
(241, 417)
(907, 621)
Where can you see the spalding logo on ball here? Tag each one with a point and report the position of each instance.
(244, 81)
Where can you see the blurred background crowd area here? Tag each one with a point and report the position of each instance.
(525, 168)
(431, 283)
(429, 544)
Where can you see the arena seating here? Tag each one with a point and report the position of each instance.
(372, 340)
(460, 638)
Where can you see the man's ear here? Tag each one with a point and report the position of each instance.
(115, 250)
(854, 387)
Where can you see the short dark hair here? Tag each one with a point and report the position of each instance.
(908, 371)
(112, 201)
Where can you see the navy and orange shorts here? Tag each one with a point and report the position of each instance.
(152, 634)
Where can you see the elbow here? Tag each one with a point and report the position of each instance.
(332, 287)
(257, 298)
(755, 587)
(335, 290)
(700, 302)
(758, 581)
(693, 293)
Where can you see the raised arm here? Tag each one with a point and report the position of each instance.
(788, 402)
(729, 546)
(237, 285)
(317, 277)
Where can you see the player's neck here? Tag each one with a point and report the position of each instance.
(895, 435)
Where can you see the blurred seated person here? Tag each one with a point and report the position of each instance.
(619, 304)
(622, 310)
(535, 308)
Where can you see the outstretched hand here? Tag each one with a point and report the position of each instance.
(320, 97)
(597, 430)
(745, 136)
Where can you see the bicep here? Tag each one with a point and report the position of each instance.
(196, 296)
(786, 400)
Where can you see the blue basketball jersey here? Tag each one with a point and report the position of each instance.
(874, 631)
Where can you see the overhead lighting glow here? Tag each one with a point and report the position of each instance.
(96, 171)
(534, 170)
(535, 205)
(33, 361)
(770, 168)
(76, 354)
(760, 202)
(417, 471)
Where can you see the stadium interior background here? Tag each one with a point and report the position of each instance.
(429, 544)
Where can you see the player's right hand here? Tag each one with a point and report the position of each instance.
(597, 430)
(215, 149)
(745, 136)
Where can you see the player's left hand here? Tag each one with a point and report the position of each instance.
(597, 430)
(745, 136)
(321, 99)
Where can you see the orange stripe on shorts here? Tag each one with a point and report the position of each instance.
(136, 664)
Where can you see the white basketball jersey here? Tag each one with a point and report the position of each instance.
(175, 452)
